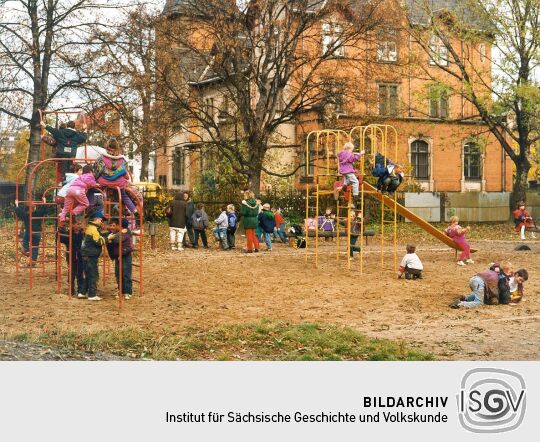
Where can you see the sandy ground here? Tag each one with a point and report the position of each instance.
(199, 288)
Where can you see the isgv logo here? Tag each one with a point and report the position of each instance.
(491, 400)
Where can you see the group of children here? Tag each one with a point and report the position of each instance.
(497, 285)
(261, 223)
(390, 175)
(109, 171)
(87, 247)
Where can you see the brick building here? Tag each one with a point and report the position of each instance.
(441, 140)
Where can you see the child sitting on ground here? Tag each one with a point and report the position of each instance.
(70, 177)
(91, 249)
(346, 160)
(523, 220)
(123, 234)
(220, 231)
(232, 219)
(76, 198)
(411, 265)
(457, 233)
(199, 221)
(516, 286)
(267, 223)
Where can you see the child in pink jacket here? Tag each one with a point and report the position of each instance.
(346, 160)
(457, 233)
(76, 198)
(111, 170)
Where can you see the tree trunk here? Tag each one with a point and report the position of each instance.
(34, 153)
(145, 160)
(519, 191)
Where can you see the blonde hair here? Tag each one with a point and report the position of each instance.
(507, 265)
(249, 194)
(348, 146)
(454, 219)
(230, 207)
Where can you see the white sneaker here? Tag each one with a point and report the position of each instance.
(469, 261)
(533, 236)
(179, 249)
(94, 298)
(81, 296)
(460, 263)
(127, 296)
(523, 238)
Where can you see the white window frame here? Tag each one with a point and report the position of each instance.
(438, 52)
(331, 33)
(483, 52)
(387, 47)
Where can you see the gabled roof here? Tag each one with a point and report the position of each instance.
(419, 12)
(172, 6)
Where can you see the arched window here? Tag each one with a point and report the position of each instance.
(420, 159)
(472, 162)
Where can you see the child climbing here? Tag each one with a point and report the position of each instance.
(457, 233)
(523, 220)
(390, 175)
(346, 160)
(411, 265)
(67, 140)
(70, 177)
(76, 198)
(111, 170)
(30, 243)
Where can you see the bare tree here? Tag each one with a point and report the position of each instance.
(504, 36)
(123, 63)
(269, 61)
(39, 44)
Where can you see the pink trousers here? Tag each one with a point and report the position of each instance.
(76, 200)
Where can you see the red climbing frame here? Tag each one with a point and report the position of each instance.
(112, 201)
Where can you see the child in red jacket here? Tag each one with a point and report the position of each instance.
(522, 220)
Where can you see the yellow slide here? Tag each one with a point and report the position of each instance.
(403, 211)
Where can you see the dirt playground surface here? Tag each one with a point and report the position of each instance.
(200, 288)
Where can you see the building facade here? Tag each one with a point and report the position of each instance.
(442, 142)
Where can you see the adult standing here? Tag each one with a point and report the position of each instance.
(249, 211)
(67, 140)
(177, 221)
(190, 210)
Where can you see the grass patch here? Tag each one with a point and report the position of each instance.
(265, 340)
